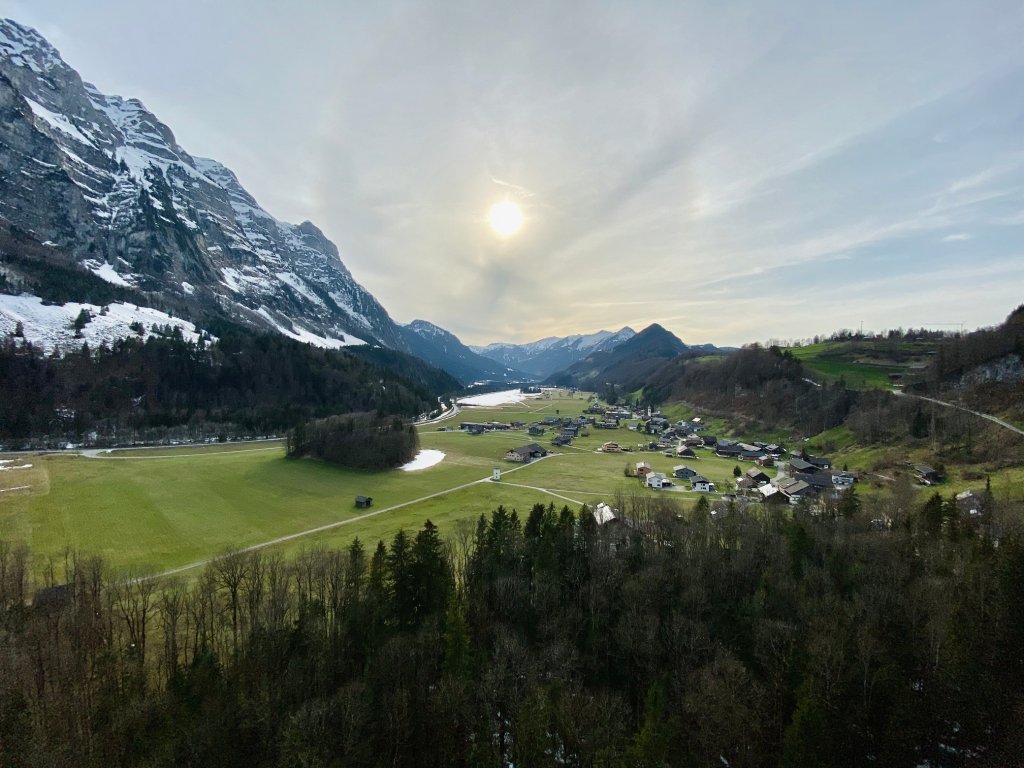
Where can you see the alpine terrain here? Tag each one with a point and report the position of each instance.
(102, 183)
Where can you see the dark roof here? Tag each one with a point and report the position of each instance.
(799, 465)
(529, 448)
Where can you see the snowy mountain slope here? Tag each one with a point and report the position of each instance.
(444, 350)
(554, 353)
(102, 179)
(50, 326)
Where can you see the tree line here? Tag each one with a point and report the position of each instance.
(356, 440)
(709, 637)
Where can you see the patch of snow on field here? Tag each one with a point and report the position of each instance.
(423, 460)
(496, 398)
(51, 325)
(29, 466)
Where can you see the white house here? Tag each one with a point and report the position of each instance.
(701, 484)
(658, 480)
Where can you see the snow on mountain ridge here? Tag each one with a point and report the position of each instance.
(156, 216)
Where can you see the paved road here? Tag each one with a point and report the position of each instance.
(987, 416)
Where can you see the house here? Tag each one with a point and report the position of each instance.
(701, 484)
(758, 475)
(796, 464)
(772, 495)
(526, 453)
(686, 453)
(683, 472)
(775, 449)
(642, 469)
(794, 490)
(611, 448)
(844, 480)
(745, 484)
(765, 461)
(709, 441)
(926, 475)
(819, 481)
(364, 502)
(536, 430)
(604, 514)
(820, 462)
(658, 481)
(518, 424)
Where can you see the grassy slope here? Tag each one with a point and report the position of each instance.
(153, 510)
(862, 364)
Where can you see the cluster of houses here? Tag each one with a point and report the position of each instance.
(810, 477)
(658, 480)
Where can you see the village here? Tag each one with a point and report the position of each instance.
(666, 456)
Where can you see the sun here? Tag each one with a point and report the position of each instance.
(506, 218)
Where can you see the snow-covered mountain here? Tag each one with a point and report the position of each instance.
(554, 353)
(443, 349)
(101, 180)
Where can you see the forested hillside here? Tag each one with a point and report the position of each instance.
(735, 638)
(244, 382)
(767, 387)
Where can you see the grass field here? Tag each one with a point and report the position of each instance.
(154, 510)
(862, 364)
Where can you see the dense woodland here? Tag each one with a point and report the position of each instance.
(741, 638)
(244, 383)
(356, 440)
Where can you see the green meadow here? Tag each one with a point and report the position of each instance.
(160, 509)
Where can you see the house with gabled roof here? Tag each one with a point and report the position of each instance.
(683, 472)
(796, 464)
(526, 453)
(657, 481)
(758, 475)
(701, 484)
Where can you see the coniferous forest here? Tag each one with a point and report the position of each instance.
(711, 638)
(244, 382)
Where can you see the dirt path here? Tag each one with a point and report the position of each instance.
(986, 416)
(357, 518)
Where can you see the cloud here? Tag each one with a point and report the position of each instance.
(957, 237)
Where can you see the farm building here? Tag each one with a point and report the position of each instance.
(363, 502)
(526, 453)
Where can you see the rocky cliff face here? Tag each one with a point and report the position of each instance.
(99, 178)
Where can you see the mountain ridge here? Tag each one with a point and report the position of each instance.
(551, 354)
(101, 178)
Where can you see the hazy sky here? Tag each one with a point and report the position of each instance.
(733, 170)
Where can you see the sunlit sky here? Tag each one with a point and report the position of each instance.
(736, 171)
